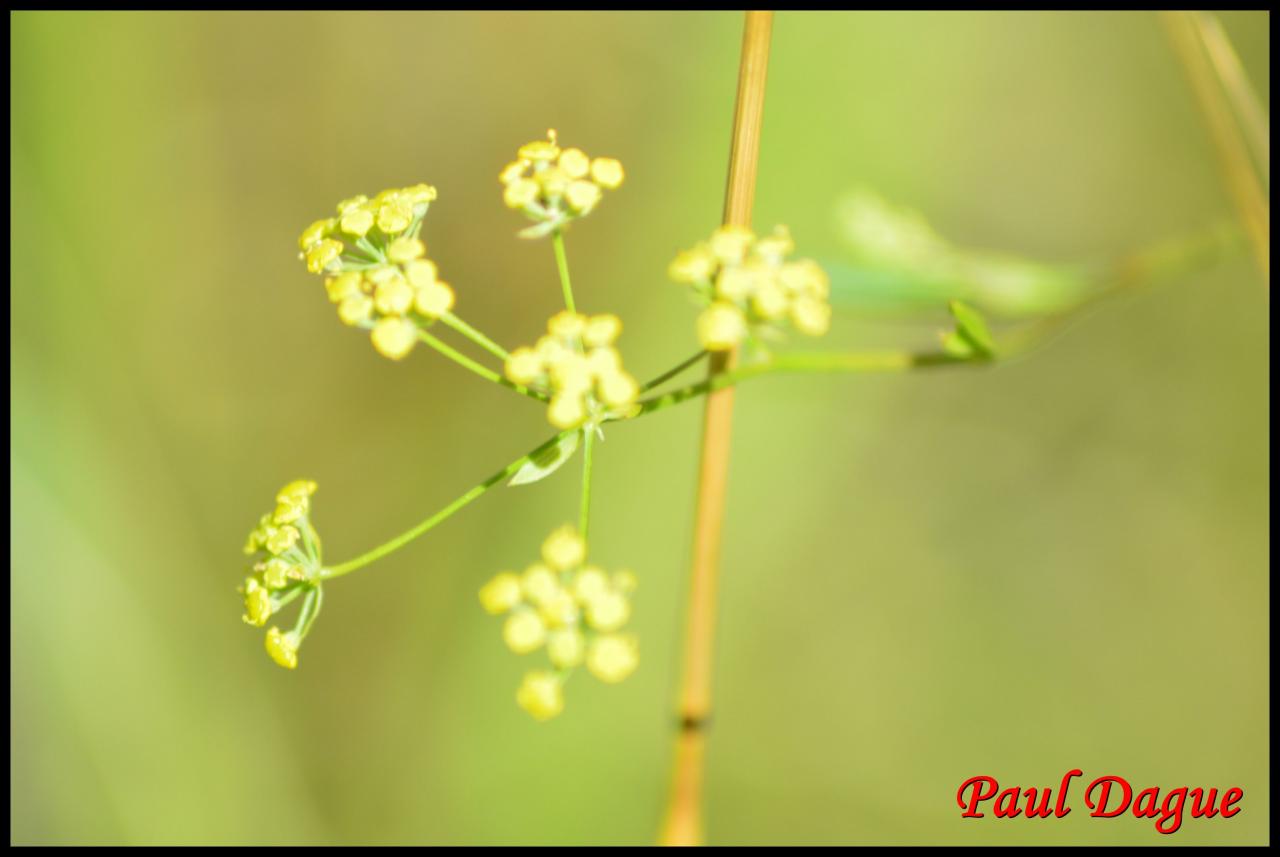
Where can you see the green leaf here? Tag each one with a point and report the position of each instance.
(548, 461)
(971, 328)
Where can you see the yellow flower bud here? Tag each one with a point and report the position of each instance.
(322, 254)
(283, 648)
(501, 594)
(343, 286)
(693, 266)
(434, 299)
(553, 182)
(419, 194)
(280, 539)
(729, 243)
(314, 233)
(541, 695)
(524, 631)
(394, 215)
(275, 573)
(393, 297)
(512, 171)
(539, 584)
(571, 373)
(608, 611)
(357, 221)
(769, 300)
(566, 325)
(287, 513)
(406, 249)
(805, 277)
(520, 193)
(601, 330)
(590, 584)
(421, 272)
(737, 282)
(613, 657)
(257, 603)
(810, 316)
(540, 150)
(582, 196)
(566, 410)
(349, 205)
(564, 549)
(394, 337)
(618, 389)
(607, 171)
(560, 610)
(566, 647)
(721, 326)
(356, 309)
(297, 491)
(772, 248)
(574, 163)
(604, 361)
(524, 366)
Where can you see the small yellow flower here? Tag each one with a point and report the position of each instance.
(357, 221)
(564, 549)
(393, 297)
(420, 272)
(574, 163)
(501, 594)
(729, 244)
(283, 648)
(356, 309)
(281, 539)
(721, 326)
(693, 266)
(276, 573)
(541, 694)
(607, 171)
(566, 648)
(314, 233)
(345, 285)
(434, 299)
(608, 611)
(394, 337)
(613, 657)
(582, 196)
(322, 254)
(524, 631)
(541, 150)
(590, 584)
(257, 603)
(524, 366)
(520, 193)
(539, 584)
(395, 215)
(601, 330)
(811, 316)
(406, 249)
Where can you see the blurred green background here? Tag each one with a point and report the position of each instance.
(1058, 563)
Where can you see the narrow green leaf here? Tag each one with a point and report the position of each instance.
(972, 328)
(548, 461)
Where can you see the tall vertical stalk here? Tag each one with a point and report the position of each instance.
(1186, 32)
(683, 824)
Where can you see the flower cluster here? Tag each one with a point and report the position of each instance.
(288, 552)
(383, 281)
(578, 364)
(553, 186)
(749, 288)
(573, 609)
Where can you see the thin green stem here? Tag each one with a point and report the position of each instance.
(475, 336)
(872, 361)
(584, 514)
(484, 372)
(674, 371)
(439, 517)
(562, 263)
(310, 610)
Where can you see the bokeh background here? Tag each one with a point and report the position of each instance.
(1058, 563)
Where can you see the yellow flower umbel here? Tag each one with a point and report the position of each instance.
(287, 548)
(554, 186)
(750, 289)
(574, 610)
(577, 363)
(376, 267)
